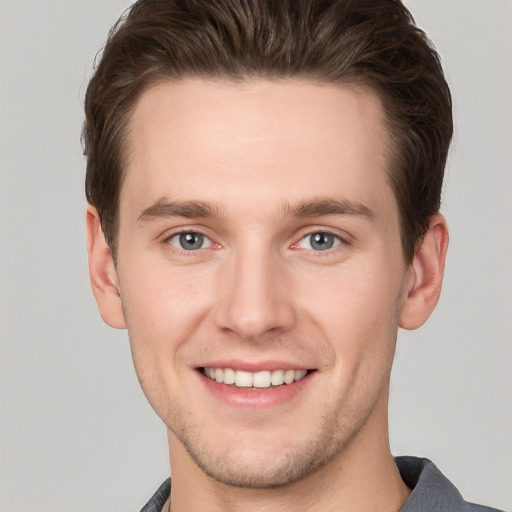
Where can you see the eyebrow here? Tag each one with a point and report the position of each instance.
(187, 209)
(201, 209)
(327, 206)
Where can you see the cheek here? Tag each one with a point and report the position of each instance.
(163, 308)
(162, 311)
(158, 294)
(357, 310)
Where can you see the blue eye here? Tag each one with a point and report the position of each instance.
(190, 241)
(320, 241)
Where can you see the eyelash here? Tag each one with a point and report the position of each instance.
(338, 242)
(188, 252)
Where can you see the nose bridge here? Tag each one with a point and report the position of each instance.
(253, 293)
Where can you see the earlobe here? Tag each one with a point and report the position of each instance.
(102, 273)
(425, 275)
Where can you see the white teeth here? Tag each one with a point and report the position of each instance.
(263, 379)
(229, 376)
(289, 376)
(277, 377)
(243, 379)
(299, 374)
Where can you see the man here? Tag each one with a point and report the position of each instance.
(264, 183)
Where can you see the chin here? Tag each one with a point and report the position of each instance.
(266, 463)
(273, 471)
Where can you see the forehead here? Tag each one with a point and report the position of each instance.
(220, 140)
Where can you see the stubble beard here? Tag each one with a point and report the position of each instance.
(331, 438)
(279, 469)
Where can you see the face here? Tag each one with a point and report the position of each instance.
(261, 272)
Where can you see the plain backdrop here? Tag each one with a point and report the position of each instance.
(76, 433)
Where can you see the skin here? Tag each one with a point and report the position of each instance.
(257, 291)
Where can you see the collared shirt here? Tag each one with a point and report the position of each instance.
(431, 490)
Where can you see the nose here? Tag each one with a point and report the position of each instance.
(255, 297)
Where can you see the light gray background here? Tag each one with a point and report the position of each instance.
(75, 431)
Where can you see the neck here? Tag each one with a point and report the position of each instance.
(362, 477)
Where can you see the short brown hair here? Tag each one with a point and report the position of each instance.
(372, 43)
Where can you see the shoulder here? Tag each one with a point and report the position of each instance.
(431, 490)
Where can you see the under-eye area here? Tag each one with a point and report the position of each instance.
(254, 380)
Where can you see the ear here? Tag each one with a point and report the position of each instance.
(425, 275)
(102, 273)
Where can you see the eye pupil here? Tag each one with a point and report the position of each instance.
(191, 241)
(322, 241)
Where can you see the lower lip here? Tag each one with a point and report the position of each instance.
(256, 398)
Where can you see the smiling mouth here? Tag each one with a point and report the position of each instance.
(256, 380)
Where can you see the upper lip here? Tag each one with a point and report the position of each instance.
(254, 366)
